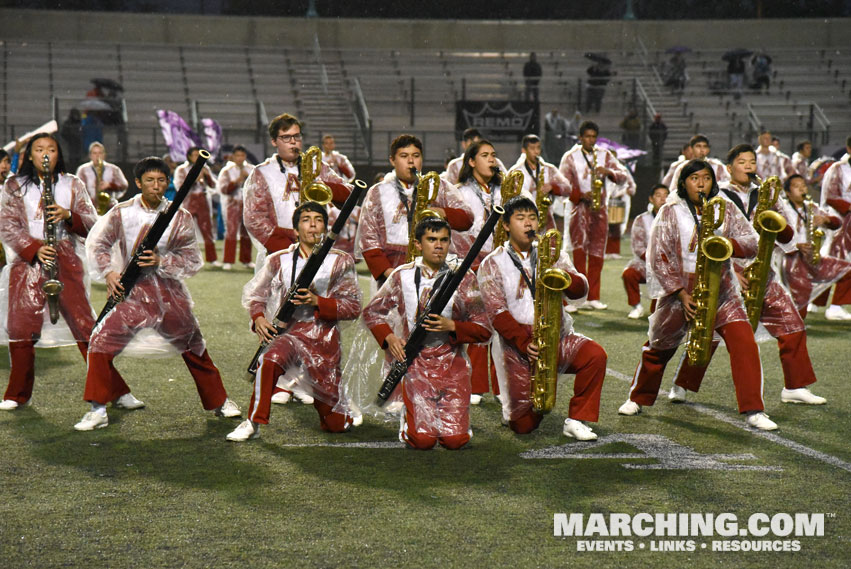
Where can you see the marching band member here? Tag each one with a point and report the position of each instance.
(197, 203)
(112, 180)
(686, 154)
(699, 150)
(339, 162)
(5, 165)
(804, 277)
(635, 272)
(785, 160)
(589, 228)
(671, 259)
(229, 185)
(801, 162)
(507, 281)
(382, 239)
(271, 192)
(312, 341)
(453, 169)
(436, 386)
(533, 165)
(159, 299)
(779, 315)
(22, 231)
(768, 160)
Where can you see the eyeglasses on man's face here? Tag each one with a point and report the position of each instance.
(287, 138)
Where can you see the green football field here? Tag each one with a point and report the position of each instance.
(161, 487)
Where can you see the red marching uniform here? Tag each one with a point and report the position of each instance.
(672, 256)
(311, 344)
(382, 239)
(198, 205)
(551, 177)
(270, 196)
(22, 234)
(230, 189)
(509, 303)
(340, 164)
(720, 169)
(159, 300)
(836, 194)
(436, 387)
(635, 273)
(588, 230)
(112, 174)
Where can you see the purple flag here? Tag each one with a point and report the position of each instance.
(213, 135)
(179, 137)
(624, 153)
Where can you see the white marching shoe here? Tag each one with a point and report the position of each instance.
(761, 421)
(629, 408)
(677, 394)
(217, 264)
(227, 267)
(282, 397)
(9, 405)
(245, 431)
(636, 312)
(578, 430)
(812, 308)
(228, 409)
(475, 399)
(836, 312)
(596, 305)
(91, 421)
(571, 308)
(801, 395)
(127, 401)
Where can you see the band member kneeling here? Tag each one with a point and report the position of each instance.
(507, 279)
(672, 259)
(436, 387)
(312, 341)
(159, 299)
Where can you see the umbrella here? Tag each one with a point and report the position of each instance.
(93, 105)
(678, 49)
(597, 57)
(737, 53)
(111, 84)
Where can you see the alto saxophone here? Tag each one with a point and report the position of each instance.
(550, 282)
(425, 192)
(596, 185)
(510, 185)
(543, 201)
(311, 188)
(102, 197)
(712, 251)
(768, 224)
(815, 236)
(52, 286)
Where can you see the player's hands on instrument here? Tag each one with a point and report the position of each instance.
(602, 171)
(438, 323)
(820, 220)
(304, 297)
(46, 254)
(57, 213)
(264, 329)
(743, 282)
(149, 258)
(104, 185)
(689, 306)
(396, 347)
(532, 352)
(113, 284)
(805, 248)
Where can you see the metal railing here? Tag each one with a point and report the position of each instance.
(797, 119)
(360, 112)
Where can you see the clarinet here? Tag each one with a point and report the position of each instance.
(308, 273)
(439, 299)
(132, 270)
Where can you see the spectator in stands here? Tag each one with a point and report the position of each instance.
(91, 130)
(72, 138)
(599, 76)
(736, 75)
(338, 162)
(657, 132)
(675, 72)
(761, 74)
(631, 129)
(573, 127)
(532, 76)
(556, 130)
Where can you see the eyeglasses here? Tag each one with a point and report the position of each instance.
(289, 138)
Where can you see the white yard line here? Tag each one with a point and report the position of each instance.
(797, 447)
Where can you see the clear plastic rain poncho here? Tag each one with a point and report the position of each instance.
(309, 351)
(157, 314)
(639, 239)
(436, 386)
(507, 296)
(559, 186)
(230, 190)
(835, 197)
(24, 304)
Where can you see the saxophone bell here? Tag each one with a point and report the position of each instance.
(312, 188)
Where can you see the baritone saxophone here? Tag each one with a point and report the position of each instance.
(425, 193)
(311, 188)
(510, 185)
(103, 198)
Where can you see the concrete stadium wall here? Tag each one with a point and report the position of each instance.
(183, 29)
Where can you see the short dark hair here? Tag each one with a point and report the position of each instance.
(588, 125)
(310, 206)
(470, 134)
(3, 155)
(787, 185)
(518, 203)
(433, 224)
(284, 122)
(190, 150)
(690, 168)
(530, 139)
(404, 140)
(686, 146)
(848, 141)
(467, 170)
(697, 139)
(151, 164)
(239, 148)
(739, 149)
(802, 144)
(658, 186)
(28, 170)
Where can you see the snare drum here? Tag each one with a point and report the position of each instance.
(617, 211)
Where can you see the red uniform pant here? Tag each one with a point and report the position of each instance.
(484, 374)
(744, 361)
(199, 207)
(592, 267)
(613, 243)
(632, 278)
(235, 231)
